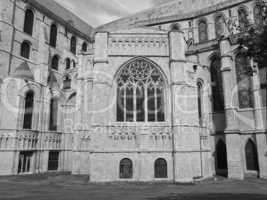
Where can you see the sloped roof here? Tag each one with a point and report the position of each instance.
(23, 72)
(176, 10)
(64, 16)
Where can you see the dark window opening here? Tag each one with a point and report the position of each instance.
(55, 63)
(161, 169)
(28, 22)
(200, 102)
(67, 63)
(126, 169)
(53, 115)
(25, 161)
(28, 110)
(251, 156)
(25, 50)
(73, 45)
(203, 31)
(84, 47)
(53, 35)
(53, 161)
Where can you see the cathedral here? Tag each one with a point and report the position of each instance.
(165, 94)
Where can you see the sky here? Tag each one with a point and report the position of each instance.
(99, 12)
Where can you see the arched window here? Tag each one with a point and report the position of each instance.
(73, 44)
(251, 156)
(28, 22)
(243, 19)
(25, 50)
(55, 62)
(258, 18)
(161, 169)
(219, 26)
(200, 101)
(73, 63)
(243, 68)
(53, 115)
(126, 169)
(217, 85)
(263, 81)
(67, 63)
(140, 93)
(84, 47)
(28, 110)
(53, 35)
(203, 31)
(67, 83)
(221, 155)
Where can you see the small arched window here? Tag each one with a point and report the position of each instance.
(203, 30)
(219, 25)
(258, 17)
(200, 102)
(25, 49)
(251, 156)
(244, 81)
(161, 169)
(73, 44)
(53, 35)
(243, 19)
(263, 82)
(67, 63)
(73, 63)
(126, 169)
(55, 62)
(67, 83)
(53, 115)
(28, 110)
(217, 85)
(84, 47)
(28, 22)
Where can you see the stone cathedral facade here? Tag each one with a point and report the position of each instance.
(163, 95)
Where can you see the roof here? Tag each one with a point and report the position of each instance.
(64, 16)
(176, 10)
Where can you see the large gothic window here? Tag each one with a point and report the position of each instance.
(28, 110)
(243, 18)
(217, 85)
(53, 35)
(251, 156)
(219, 26)
(28, 22)
(203, 31)
(161, 169)
(53, 115)
(126, 169)
(263, 81)
(73, 44)
(244, 81)
(140, 93)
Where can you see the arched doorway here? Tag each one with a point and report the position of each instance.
(221, 159)
(251, 156)
(126, 169)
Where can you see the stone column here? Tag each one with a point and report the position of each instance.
(259, 124)
(233, 138)
(186, 144)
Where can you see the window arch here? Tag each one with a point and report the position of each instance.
(243, 68)
(126, 169)
(53, 115)
(203, 30)
(25, 49)
(161, 168)
(200, 101)
(67, 63)
(55, 62)
(219, 25)
(140, 93)
(84, 47)
(243, 18)
(251, 156)
(28, 110)
(67, 83)
(53, 35)
(258, 19)
(28, 22)
(217, 84)
(73, 42)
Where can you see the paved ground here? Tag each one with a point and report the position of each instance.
(78, 188)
